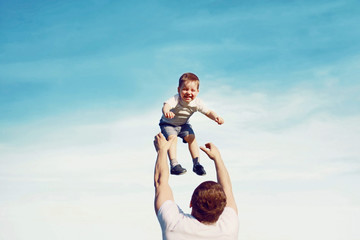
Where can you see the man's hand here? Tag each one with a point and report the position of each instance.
(211, 150)
(161, 143)
(169, 114)
(222, 174)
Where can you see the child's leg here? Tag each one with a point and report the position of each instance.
(194, 151)
(193, 146)
(176, 168)
(170, 132)
(172, 150)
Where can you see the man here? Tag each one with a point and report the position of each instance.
(214, 211)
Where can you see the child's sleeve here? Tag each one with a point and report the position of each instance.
(201, 107)
(173, 101)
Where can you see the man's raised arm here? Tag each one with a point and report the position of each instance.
(163, 191)
(222, 174)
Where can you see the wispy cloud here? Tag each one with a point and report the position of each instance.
(92, 78)
(97, 165)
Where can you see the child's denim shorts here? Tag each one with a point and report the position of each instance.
(180, 131)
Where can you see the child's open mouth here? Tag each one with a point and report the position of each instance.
(187, 97)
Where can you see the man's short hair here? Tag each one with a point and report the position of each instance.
(208, 202)
(189, 77)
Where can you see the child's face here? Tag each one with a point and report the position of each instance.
(188, 91)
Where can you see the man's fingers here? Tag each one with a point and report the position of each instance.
(205, 150)
(208, 145)
(157, 138)
(161, 142)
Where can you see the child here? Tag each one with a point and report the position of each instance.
(175, 121)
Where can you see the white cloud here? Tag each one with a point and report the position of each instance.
(300, 117)
(83, 179)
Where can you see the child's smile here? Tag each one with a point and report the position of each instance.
(188, 91)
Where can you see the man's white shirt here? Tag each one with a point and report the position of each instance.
(176, 225)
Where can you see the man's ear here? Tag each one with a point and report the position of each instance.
(190, 204)
(179, 90)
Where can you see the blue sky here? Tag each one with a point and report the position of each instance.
(81, 89)
(107, 54)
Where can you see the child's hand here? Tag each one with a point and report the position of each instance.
(219, 120)
(169, 115)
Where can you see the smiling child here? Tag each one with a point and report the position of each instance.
(175, 121)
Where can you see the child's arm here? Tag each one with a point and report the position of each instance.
(166, 111)
(212, 115)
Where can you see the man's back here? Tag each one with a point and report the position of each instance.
(177, 225)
